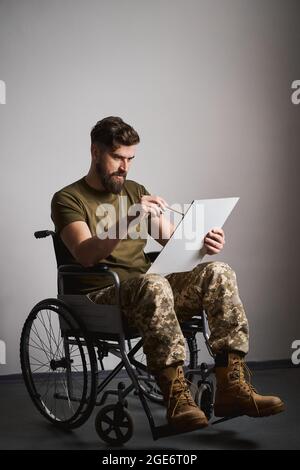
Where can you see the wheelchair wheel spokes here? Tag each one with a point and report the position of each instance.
(114, 424)
(58, 365)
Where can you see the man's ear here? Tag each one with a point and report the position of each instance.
(94, 152)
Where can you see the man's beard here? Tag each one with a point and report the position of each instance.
(109, 181)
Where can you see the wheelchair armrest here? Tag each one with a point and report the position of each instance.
(78, 270)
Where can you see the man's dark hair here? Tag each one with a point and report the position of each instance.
(111, 132)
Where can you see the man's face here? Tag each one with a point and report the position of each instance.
(112, 166)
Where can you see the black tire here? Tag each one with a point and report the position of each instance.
(191, 356)
(114, 424)
(58, 363)
(205, 398)
(151, 390)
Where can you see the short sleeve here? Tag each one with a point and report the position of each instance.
(65, 208)
(143, 191)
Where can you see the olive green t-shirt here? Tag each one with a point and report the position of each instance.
(80, 202)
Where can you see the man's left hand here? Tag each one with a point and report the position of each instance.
(214, 241)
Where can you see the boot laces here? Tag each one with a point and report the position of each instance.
(240, 369)
(181, 393)
(239, 372)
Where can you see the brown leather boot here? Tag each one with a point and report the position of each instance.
(235, 396)
(182, 412)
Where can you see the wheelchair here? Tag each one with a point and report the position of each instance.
(63, 345)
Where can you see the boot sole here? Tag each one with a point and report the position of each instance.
(228, 412)
(190, 425)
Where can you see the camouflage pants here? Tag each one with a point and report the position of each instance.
(155, 305)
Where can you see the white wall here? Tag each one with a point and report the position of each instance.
(207, 84)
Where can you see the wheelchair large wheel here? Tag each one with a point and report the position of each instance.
(58, 364)
(205, 397)
(191, 361)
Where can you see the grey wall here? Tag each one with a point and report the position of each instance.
(206, 83)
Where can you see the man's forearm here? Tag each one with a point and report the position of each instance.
(165, 230)
(94, 249)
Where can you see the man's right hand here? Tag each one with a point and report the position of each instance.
(153, 205)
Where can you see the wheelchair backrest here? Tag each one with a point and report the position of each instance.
(63, 257)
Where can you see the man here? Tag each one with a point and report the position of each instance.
(155, 304)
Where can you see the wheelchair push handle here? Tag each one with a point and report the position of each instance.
(43, 233)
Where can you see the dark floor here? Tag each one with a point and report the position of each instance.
(21, 426)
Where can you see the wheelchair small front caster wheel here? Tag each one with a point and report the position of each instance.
(114, 424)
(205, 398)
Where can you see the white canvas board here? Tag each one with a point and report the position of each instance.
(184, 250)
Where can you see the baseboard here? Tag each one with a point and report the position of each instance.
(272, 364)
(253, 365)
